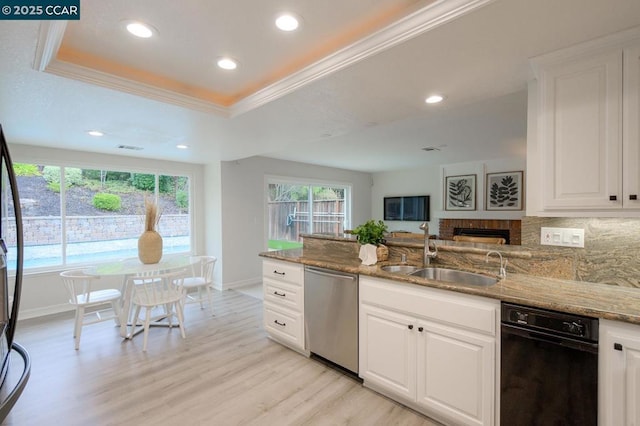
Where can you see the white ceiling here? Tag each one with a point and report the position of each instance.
(346, 90)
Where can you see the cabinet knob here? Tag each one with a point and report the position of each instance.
(613, 198)
(420, 329)
(617, 346)
(410, 327)
(633, 197)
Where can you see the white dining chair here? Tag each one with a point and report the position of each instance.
(163, 291)
(87, 301)
(198, 285)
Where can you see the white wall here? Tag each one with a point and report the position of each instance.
(212, 190)
(243, 220)
(43, 292)
(429, 180)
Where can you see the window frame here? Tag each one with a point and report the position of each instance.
(156, 171)
(310, 182)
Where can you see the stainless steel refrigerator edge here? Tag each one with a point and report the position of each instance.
(331, 316)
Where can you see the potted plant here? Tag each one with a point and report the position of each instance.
(372, 233)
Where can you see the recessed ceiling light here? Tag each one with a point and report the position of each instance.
(140, 29)
(96, 133)
(287, 22)
(182, 146)
(434, 99)
(227, 63)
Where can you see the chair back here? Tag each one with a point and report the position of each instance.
(157, 289)
(78, 285)
(204, 268)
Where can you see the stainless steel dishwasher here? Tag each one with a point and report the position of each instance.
(331, 316)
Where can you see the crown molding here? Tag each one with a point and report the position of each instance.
(49, 41)
(99, 78)
(413, 25)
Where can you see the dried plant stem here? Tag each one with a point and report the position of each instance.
(152, 215)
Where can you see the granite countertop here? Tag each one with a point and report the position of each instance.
(591, 299)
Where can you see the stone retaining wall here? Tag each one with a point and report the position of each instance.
(47, 230)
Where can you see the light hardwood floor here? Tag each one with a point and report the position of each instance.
(226, 372)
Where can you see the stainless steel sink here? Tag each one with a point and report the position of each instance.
(453, 276)
(401, 269)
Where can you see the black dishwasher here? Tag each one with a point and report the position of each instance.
(549, 368)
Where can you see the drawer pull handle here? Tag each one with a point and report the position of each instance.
(410, 327)
(633, 197)
(280, 294)
(420, 329)
(281, 324)
(617, 346)
(275, 271)
(613, 198)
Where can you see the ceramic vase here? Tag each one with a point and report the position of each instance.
(150, 247)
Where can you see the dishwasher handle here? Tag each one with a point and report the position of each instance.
(326, 273)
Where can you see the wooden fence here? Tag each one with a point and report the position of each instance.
(289, 219)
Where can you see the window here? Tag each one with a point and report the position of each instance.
(78, 216)
(304, 208)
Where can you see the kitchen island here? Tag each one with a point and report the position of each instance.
(435, 346)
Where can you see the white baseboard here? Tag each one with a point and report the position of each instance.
(41, 312)
(237, 284)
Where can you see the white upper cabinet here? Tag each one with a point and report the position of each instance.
(583, 150)
(631, 126)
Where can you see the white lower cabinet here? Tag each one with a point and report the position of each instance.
(283, 289)
(619, 378)
(456, 371)
(432, 350)
(387, 350)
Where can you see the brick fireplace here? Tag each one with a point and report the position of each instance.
(449, 226)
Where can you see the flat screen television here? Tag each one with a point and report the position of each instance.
(414, 208)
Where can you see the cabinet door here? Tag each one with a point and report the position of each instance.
(456, 374)
(388, 350)
(580, 127)
(620, 373)
(631, 128)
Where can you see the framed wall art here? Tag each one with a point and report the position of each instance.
(504, 191)
(460, 192)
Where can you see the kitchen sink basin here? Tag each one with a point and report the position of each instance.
(453, 276)
(401, 269)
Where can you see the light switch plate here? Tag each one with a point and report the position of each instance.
(565, 237)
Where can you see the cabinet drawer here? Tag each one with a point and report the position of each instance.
(471, 312)
(283, 294)
(284, 325)
(283, 271)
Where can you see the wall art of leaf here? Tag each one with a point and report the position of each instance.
(504, 193)
(460, 193)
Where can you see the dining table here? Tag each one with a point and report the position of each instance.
(132, 267)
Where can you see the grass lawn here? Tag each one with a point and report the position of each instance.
(283, 245)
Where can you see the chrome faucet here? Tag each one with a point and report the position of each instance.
(503, 264)
(427, 254)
